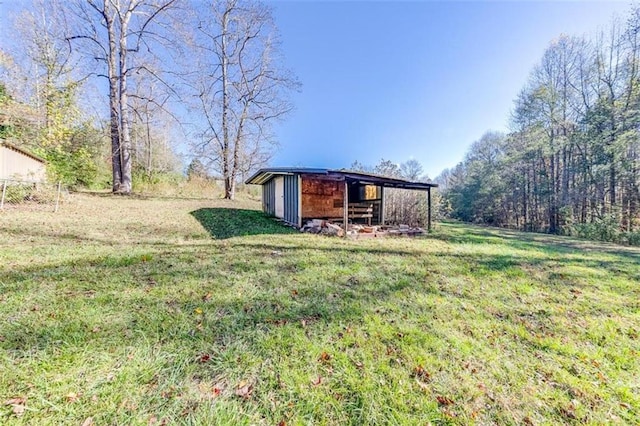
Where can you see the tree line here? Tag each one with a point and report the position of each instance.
(570, 164)
(89, 84)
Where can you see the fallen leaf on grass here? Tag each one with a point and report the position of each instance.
(153, 420)
(420, 373)
(72, 397)
(204, 358)
(568, 413)
(18, 405)
(324, 357)
(206, 297)
(244, 390)
(198, 311)
(449, 414)
(88, 421)
(317, 382)
(191, 407)
(443, 400)
(282, 423)
(18, 410)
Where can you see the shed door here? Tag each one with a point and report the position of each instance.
(279, 197)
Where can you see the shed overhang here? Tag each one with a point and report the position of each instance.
(264, 175)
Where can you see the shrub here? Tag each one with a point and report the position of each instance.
(633, 238)
(605, 228)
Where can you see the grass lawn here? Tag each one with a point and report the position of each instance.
(147, 311)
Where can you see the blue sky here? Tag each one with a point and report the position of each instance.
(400, 80)
(423, 80)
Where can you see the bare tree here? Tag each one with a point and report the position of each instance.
(113, 33)
(239, 85)
(412, 170)
(152, 127)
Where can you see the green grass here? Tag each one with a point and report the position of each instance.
(128, 311)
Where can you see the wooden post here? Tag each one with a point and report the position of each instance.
(381, 205)
(58, 198)
(346, 208)
(428, 209)
(4, 191)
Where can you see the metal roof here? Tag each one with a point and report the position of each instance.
(262, 176)
(22, 151)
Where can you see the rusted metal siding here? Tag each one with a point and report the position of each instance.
(322, 198)
(16, 165)
(291, 199)
(269, 197)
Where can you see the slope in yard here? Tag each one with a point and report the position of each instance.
(133, 311)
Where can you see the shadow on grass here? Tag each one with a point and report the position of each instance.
(161, 291)
(223, 223)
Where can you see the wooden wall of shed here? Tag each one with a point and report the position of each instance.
(322, 198)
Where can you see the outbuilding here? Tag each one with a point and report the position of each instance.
(19, 164)
(297, 195)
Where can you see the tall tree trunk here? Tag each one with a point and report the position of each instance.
(237, 148)
(149, 148)
(125, 137)
(612, 184)
(226, 170)
(553, 200)
(114, 100)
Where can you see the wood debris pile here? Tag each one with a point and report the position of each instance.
(325, 227)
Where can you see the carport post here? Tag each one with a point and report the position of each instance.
(428, 209)
(346, 208)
